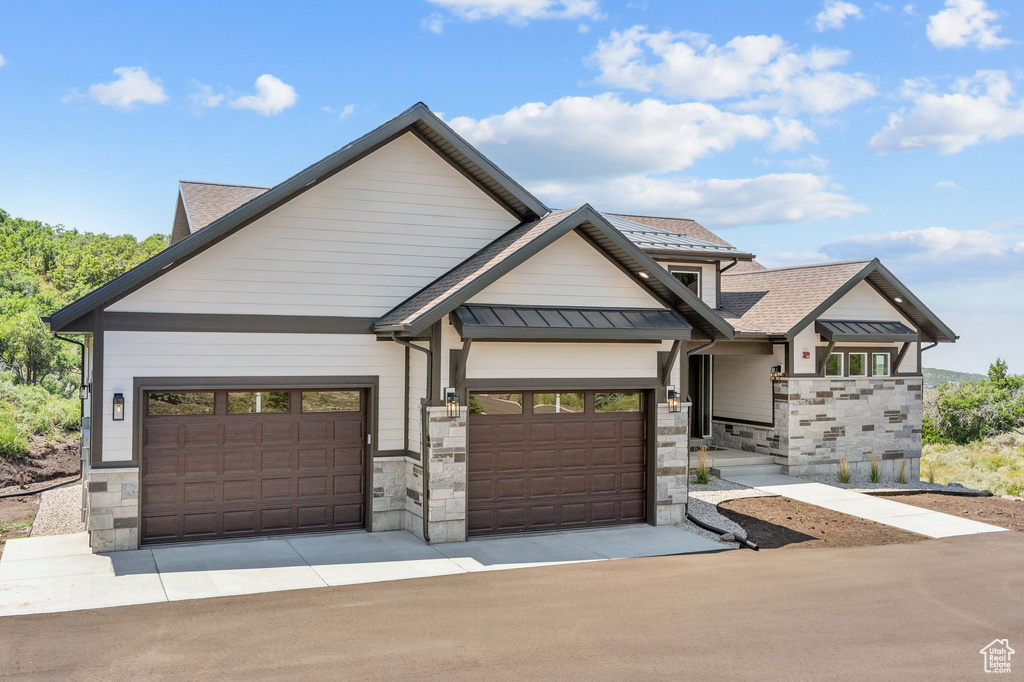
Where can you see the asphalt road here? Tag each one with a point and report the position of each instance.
(914, 611)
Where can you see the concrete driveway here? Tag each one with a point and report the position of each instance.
(919, 611)
(60, 573)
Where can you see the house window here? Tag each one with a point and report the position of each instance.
(330, 401)
(688, 277)
(880, 364)
(496, 403)
(261, 402)
(616, 402)
(185, 402)
(834, 366)
(557, 403)
(858, 364)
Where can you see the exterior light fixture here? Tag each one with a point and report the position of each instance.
(83, 392)
(451, 401)
(898, 299)
(776, 372)
(672, 396)
(119, 407)
(643, 275)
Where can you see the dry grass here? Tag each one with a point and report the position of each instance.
(902, 478)
(995, 464)
(875, 474)
(844, 471)
(702, 474)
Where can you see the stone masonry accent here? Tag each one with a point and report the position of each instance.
(397, 495)
(672, 462)
(446, 468)
(756, 438)
(112, 509)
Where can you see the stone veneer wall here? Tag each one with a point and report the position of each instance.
(763, 440)
(671, 467)
(112, 509)
(397, 489)
(830, 419)
(446, 467)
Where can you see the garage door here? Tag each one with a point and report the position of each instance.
(227, 463)
(545, 461)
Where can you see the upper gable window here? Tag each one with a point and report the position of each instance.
(688, 277)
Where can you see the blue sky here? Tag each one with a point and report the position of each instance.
(804, 131)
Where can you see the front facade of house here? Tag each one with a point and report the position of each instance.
(402, 337)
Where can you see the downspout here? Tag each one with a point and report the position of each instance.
(424, 435)
(730, 265)
(81, 396)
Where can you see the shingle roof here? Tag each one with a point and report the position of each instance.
(683, 226)
(776, 300)
(657, 239)
(207, 201)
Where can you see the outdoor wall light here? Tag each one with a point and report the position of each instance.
(672, 396)
(776, 372)
(83, 392)
(451, 401)
(119, 407)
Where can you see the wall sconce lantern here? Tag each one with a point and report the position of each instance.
(776, 372)
(119, 407)
(672, 395)
(451, 401)
(83, 392)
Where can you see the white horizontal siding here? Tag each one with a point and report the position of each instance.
(569, 272)
(191, 354)
(708, 279)
(862, 302)
(742, 386)
(563, 360)
(356, 245)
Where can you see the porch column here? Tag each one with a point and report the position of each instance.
(445, 462)
(672, 461)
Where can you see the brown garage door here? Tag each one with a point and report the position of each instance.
(545, 461)
(226, 463)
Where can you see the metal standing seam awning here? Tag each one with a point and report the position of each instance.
(864, 331)
(483, 321)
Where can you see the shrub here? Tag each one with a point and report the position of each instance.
(875, 475)
(702, 473)
(37, 411)
(977, 410)
(12, 442)
(844, 471)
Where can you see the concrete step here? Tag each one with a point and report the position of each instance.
(734, 460)
(747, 470)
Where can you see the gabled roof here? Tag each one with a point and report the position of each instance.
(488, 321)
(414, 315)
(663, 242)
(205, 202)
(683, 226)
(781, 302)
(418, 120)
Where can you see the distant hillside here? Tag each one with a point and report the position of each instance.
(936, 377)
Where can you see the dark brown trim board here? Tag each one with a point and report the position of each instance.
(263, 324)
(96, 423)
(434, 380)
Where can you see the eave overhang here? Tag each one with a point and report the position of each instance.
(864, 331)
(505, 322)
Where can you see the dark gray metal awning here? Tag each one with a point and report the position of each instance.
(483, 321)
(860, 330)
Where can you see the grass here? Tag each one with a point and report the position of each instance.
(995, 464)
(13, 443)
(902, 478)
(875, 474)
(702, 473)
(844, 471)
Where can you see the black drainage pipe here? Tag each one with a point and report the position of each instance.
(739, 538)
(23, 493)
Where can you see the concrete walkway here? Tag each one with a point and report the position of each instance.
(915, 519)
(60, 573)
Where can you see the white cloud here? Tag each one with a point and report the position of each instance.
(204, 96)
(766, 199)
(272, 97)
(963, 23)
(2, 60)
(133, 85)
(947, 184)
(977, 109)
(603, 135)
(835, 13)
(908, 10)
(346, 111)
(763, 72)
(521, 12)
(433, 23)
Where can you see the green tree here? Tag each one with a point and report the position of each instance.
(27, 347)
(997, 371)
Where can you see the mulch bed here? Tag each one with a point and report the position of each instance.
(48, 461)
(782, 523)
(997, 511)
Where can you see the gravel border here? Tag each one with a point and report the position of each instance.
(890, 485)
(60, 512)
(703, 505)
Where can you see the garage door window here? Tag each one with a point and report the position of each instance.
(180, 403)
(496, 403)
(557, 403)
(617, 402)
(258, 402)
(330, 401)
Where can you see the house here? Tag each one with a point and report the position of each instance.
(402, 336)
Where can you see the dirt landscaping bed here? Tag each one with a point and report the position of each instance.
(16, 515)
(49, 461)
(997, 511)
(782, 523)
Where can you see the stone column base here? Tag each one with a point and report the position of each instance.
(673, 459)
(446, 472)
(112, 509)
